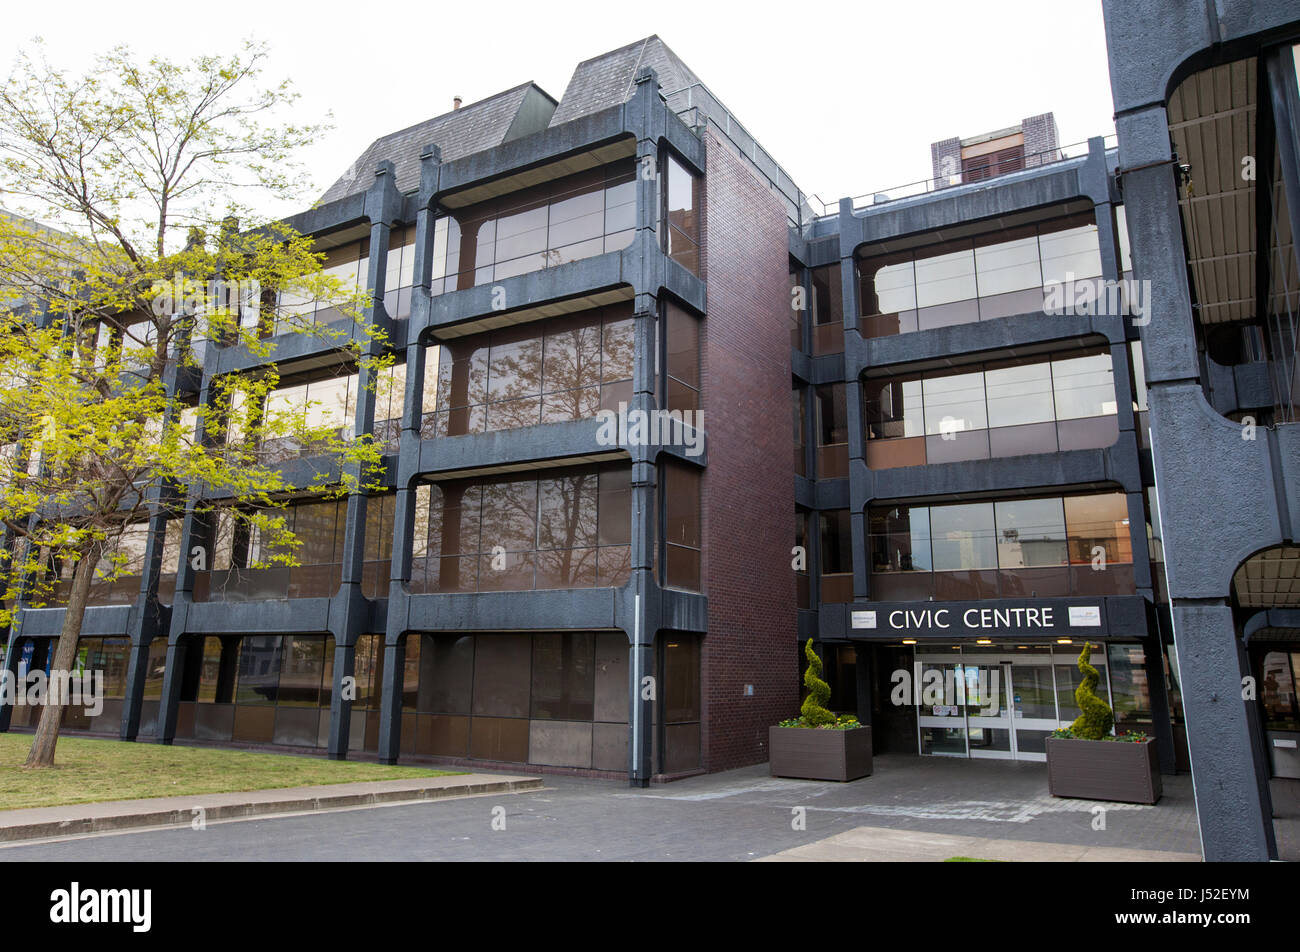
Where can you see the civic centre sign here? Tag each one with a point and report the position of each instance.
(1019, 619)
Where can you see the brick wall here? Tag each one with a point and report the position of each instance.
(1040, 137)
(945, 161)
(748, 506)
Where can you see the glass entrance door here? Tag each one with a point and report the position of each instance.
(988, 716)
(996, 702)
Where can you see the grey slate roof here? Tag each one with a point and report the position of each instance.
(472, 128)
(606, 80)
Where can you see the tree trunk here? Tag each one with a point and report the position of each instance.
(47, 731)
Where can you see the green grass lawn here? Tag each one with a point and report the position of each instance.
(89, 769)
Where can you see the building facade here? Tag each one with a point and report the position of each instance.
(1014, 431)
(533, 585)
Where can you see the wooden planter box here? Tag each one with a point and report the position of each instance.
(1103, 770)
(814, 754)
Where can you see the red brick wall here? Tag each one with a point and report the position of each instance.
(748, 495)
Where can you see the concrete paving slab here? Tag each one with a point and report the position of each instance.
(869, 844)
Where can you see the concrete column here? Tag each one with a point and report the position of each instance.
(12, 650)
(136, 671)
(641, 709)
(169, 705)
(390, 702)
(345, 664)
(1232, 806)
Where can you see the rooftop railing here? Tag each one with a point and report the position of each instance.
(983, 173)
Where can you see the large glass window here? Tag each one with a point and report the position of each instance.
(400, 274)
(967, 280)
(683, 529)
(1004, 408)
(828, 310)
(348, 264)
(579, 216)
(836, 556)
(567, 368)
(682, 215)
(570, 528)
(832, 431)
(682, 340)
(1002, 549)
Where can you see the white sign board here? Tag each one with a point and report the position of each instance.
(1085, 616)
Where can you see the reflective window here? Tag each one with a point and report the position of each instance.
(683, 536)
(579, 216)
(832, 431)
(836, 556)
(828, 310)
(682, 340)
(682, 215)
(567, 368)
(1007, 408)
(1007, 548)
(570, 528)
(963, 537)
(967, 280)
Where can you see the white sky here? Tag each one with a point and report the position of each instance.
(846, 96)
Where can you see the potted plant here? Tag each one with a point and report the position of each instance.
(817, 745)
(1088, 762)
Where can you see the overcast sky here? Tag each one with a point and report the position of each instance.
(847, 97)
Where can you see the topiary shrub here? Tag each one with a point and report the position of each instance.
(814, 709)
(1096, 719)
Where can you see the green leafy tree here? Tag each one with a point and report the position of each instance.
(1095, 719)
(814, 710)
(126, 183)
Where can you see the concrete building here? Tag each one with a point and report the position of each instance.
(1014, 431)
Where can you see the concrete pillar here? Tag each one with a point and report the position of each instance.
(390, 702)
(137, 670)
(345, 664)
(1232, 807)
(644, 701)
(169, 704)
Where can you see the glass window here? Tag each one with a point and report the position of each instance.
(683, 345)
(682, 530)
(1008, 265)
(893, 409)
(900, 540)
(1070, 254)
(836, 556)
(682, 231)
(954, 404)
(1083, 387)
(1030, 533)
(563, 677)
(945, 278)
(1019, 395)
(963, 537)
(1278, 691)
(1098, 521)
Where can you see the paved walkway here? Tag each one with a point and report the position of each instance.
(957, 807)
(116, 815)
(874, 844)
